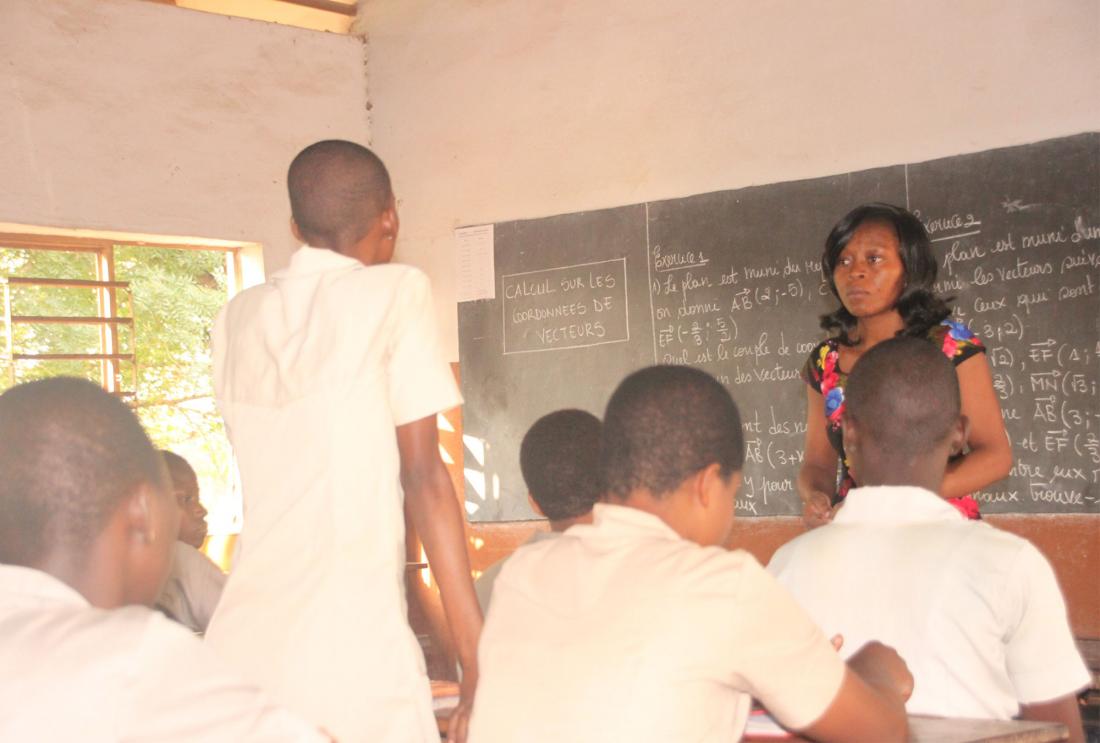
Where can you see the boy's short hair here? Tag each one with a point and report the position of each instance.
(560, 461)
(178, 467)
(337, 190)
(69, 454)
(665, 423)
(904, 395)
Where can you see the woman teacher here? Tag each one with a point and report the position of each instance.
(878, 261)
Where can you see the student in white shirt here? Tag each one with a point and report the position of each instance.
(976, 612)
(194, 583)
(87, 524)
(640, 627)
(330, 377)
(560, 461)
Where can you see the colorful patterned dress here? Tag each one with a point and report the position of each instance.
(822, 372)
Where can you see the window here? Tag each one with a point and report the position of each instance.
(135, 317)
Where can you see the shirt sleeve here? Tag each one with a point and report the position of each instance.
(812, 369)
(1040, 654)
(781, 657)
(420, 380)
(957, 341)
(179, 691)
(483, 586)
(203, 582)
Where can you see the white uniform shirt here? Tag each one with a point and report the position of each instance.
(483, 586)
(974, 611)
(622, 631)
(312, 372)
(193, 588)
(75, 673)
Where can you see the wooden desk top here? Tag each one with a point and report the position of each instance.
(933, 730)
(955, 730)
(947, 730)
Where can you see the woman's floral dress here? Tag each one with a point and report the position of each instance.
(822, 372)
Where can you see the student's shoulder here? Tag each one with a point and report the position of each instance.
(110, 636)
(396, 274)
(993, 561)
(789, 553)
(998, 544)
(713, 571)
(530, 555)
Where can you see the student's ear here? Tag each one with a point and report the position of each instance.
(389, 221)
(296, 231)
(152, 526)
(716, 494)
(851, 431)
(141, 526)
(713, 485)
(960, 434)
(535, 506)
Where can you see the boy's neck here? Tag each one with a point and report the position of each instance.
(922, 473)
(563, 524)
(86, 574)
(670, 508)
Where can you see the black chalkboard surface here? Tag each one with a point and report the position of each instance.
(731, 282)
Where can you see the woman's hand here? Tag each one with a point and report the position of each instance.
(819, 462)
(817, 509)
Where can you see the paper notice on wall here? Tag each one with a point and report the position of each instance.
(475, 263)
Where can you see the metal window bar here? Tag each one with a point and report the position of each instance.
(110, 356)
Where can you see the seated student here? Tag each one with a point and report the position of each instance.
(560, 462)
(976, 612)
(195, 583)
(87, 525)
(640, 627)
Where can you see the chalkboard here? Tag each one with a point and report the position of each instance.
(731, 282)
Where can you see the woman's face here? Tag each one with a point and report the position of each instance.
(869, 274)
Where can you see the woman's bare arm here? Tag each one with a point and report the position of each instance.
(817, 477)
(990, 455)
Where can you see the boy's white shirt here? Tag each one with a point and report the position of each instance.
(193, 588)
(74, 672)
(621, 630)
(975, 612)
(313, 371)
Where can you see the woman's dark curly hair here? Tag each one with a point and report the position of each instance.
(918, 305)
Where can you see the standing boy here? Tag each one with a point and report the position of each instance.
(329, 377)
(560, 462)
(975, 611)
(640, 627)
(87, 524)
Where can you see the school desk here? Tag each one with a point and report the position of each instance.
(926, 730)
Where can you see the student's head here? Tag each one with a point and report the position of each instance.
(185, 486)
(560, 461)
(907, 244)
(341, 199)
(673, 434)
(902, 417)
(84, 494)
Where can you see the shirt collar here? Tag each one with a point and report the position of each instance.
(30, 586)
(615, 520)
(308, 260)
(894, 504)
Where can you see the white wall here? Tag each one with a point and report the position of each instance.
(134, 116)
(490, 110)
